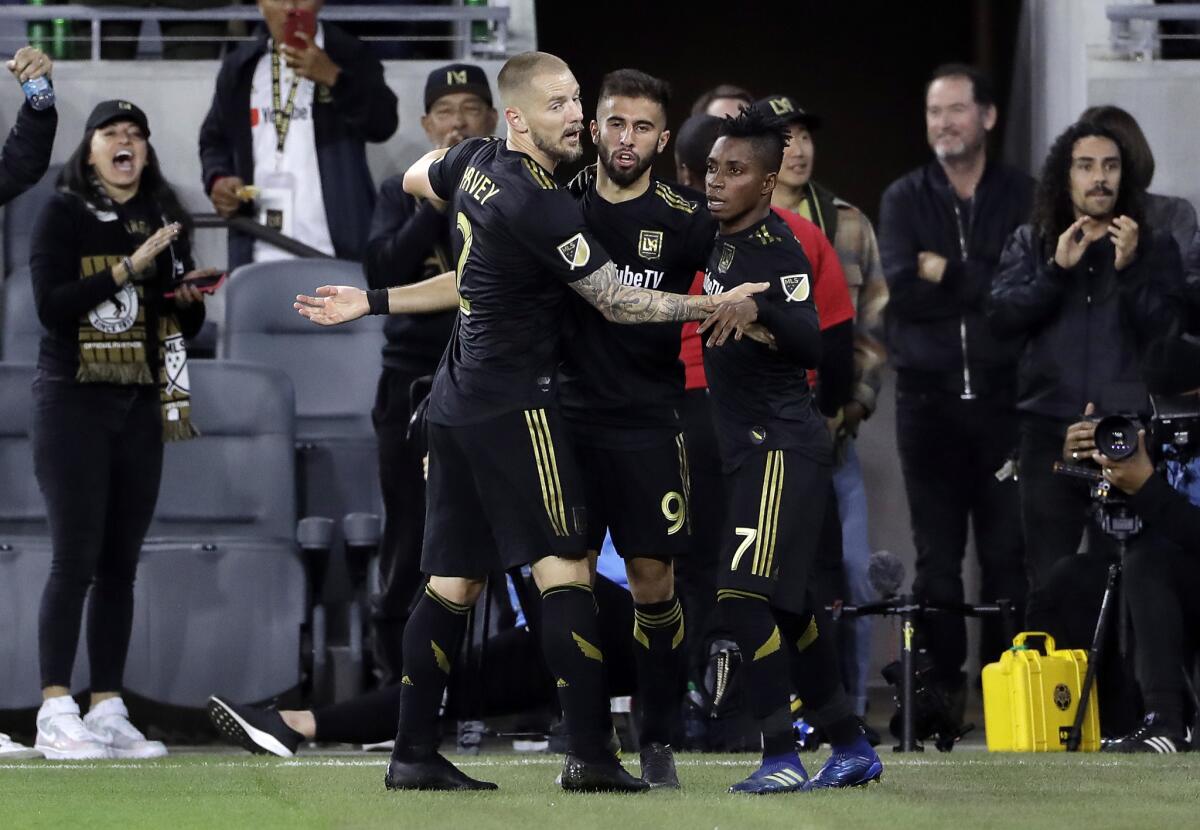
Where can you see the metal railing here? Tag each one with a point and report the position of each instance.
(1135, 30)
(259, 232)
(479, 31)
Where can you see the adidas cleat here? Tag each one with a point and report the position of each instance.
(261, 731)
(854, 766)
(429, 773)
(607, 776)
(658, 766)
(1152, 736)
(784, 776)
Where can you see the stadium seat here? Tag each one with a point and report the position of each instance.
(220, 595)
(20, 216)
(20, 330)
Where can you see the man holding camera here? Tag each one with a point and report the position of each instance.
(1088, 286)
(1162, 573)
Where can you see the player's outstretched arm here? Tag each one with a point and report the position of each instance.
(620, 303)
(416, 178)
(335, 304)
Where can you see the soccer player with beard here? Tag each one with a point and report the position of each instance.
(777, 455)
(501, 474)
(621, 390)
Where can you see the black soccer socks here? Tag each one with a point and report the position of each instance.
(570, 641)
(764, 661)
(817, 678)
(432, 640)
(661, 662)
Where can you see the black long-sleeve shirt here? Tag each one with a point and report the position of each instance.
(72, 238)
(26, 154)
(409, 242)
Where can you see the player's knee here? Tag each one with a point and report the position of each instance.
(456, 589)
(650, 580)
(552, 571)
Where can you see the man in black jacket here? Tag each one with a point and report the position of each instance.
(942, 228)
(285, 138)
(410, 242)
(26, 154)
(1162, 572)
(1087, 285)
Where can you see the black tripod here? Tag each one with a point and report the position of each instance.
(911, 610)
(1118, 521)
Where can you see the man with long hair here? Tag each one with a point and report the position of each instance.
(1086, 285)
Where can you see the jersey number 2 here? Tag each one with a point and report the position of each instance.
(464, 227)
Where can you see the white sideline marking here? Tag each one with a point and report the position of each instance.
(547, 761)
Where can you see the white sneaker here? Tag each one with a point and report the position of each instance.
(109, 719)
(10, 750)
(61, 735)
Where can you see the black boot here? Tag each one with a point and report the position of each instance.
(598, 776)
(409, 770)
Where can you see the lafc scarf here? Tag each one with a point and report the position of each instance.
(112, 336)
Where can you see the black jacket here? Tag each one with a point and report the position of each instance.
(361, 108)
(409, 243)
(26, 154)
(1168, 512)
(923, 321)
(1084, 329)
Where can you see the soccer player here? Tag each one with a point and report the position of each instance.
(500, 471)
(621, 390)
(777, 455)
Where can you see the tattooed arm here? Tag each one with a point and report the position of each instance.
(620, 303)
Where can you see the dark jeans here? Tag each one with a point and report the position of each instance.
(696, 573)
(1055, 509)
(98, 459)
(1161, 583)
(403, 486)
(950, 450)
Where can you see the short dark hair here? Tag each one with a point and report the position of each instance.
(981, 84)
(767, 135)
(721, 91)
(634, 83)
(1133, 141)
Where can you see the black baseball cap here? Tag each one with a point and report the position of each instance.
(456, 77)
(786, 108)
(695, 139)
(1172, 367)
(107, 112)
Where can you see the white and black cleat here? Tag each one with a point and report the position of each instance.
(261, 731)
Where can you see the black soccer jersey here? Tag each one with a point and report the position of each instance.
(518, 241)
(624, 383)
(761, 396)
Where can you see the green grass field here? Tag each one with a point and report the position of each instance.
(965, 790)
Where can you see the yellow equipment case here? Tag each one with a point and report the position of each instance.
(1030, 699)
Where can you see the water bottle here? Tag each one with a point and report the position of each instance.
(39, 93)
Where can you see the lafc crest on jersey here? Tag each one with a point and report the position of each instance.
(795, 287)
(575, 251)
(727, 252)
(650, 244)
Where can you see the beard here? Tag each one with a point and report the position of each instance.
(558, 149)
(955, 147)
(622, 178)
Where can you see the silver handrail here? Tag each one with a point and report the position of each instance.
(496, 17)
(1143, 42)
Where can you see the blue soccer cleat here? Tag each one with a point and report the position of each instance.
(781, 774)
(853, 765)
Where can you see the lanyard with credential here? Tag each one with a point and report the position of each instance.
(282, 115)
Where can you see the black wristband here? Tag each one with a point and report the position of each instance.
(377, 300)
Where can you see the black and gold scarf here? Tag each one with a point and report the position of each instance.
(113, 338)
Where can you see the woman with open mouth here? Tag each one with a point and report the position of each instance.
(111, 387)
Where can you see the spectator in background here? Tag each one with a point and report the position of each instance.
(300, 139)
(721, 100)
(23, 162)
(849, 230)
(942, 228)
(409, 242)
(1086, 286)
(111, 387)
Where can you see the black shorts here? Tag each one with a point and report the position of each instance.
(501, 493)
(642, 497)
(776, 507)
